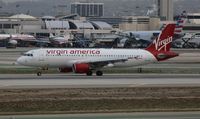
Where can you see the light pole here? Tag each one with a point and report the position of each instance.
(19, 21)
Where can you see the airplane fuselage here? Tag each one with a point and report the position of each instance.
(56, 58)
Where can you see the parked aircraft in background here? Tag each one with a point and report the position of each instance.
(12, 40)
(150, 35)
(17, 36)
(89, 60)
(60, 40)
(68, 41)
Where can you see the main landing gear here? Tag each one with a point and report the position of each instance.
(89, 73)
(39, 72)
(98, 73)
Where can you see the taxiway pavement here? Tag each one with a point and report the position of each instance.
(108, 80)
(147, 115)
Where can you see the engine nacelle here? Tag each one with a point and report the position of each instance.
(65, 70)
(81, 68)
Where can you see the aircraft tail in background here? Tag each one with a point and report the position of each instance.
(180, 21)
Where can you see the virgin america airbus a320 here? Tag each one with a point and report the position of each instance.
(93, 60)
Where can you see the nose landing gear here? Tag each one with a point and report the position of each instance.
(39, 73)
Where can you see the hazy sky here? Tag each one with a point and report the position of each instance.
(17, 0)
(112, 7)
(29, 0)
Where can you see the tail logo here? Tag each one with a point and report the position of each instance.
(160, 44)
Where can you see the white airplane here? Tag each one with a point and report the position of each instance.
(89, 60)
(59, 40)
(17, 36)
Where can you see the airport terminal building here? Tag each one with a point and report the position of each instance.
(26, 24)
(88, 9)
(43, 26)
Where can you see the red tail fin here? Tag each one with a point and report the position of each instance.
(160, 47)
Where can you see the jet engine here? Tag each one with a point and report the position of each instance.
(81, 68)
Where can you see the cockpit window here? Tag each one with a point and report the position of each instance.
(27, 54)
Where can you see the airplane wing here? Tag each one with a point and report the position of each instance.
(101, 63)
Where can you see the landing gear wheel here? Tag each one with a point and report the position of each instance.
(89, 73)
(39, 73)
(99, 73)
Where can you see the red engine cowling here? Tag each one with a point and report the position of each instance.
(65, 70)
(81, 68)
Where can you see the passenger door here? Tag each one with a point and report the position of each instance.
(41, 57)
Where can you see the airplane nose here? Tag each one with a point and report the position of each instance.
(20, 60)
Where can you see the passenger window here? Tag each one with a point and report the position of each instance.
(30, 55)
